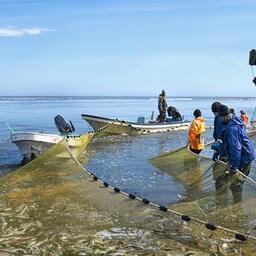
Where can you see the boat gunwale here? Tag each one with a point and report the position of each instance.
(135, 124)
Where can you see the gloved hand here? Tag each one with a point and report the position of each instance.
(216, 145)
(223, 159)
(215, 156)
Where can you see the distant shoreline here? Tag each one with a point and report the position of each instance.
(124, 97)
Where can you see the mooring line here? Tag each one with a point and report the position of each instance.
(186, 218)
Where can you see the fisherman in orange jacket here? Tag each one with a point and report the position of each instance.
(244, 117)
(196, 133)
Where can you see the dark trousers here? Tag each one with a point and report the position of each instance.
(236, 186)
(162, 115)
(197, 151)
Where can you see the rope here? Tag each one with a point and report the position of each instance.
(237, 235)
(252, 72)
(245, 176)
(252, 119)
(9, 127)
(199, 179)
(219, 161)
(251, 180)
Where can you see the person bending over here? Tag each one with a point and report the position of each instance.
(238, 147)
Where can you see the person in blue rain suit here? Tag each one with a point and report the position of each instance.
(219, 152)
(217, 122)
(238, 147)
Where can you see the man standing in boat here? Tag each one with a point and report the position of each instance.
(162, 106)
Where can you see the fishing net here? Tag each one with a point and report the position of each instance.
(118, 128)
(210, 194)
(53, 206)
(50, 207)
(77, 144)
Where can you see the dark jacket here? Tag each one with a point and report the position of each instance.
(218, 127)
(162, 105)
(238, 146)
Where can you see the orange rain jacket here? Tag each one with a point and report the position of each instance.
(196, 133)
(245, 118)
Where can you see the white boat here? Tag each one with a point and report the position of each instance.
(32, 144)
(120, 126)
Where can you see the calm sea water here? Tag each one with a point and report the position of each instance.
(122, 161)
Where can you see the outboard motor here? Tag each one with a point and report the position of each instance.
(63, 126)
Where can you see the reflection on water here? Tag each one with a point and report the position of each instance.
(123, 162)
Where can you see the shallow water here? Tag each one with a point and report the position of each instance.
(37, 113)
(54, 208)
(124, 162)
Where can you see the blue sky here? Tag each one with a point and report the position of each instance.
(128, 47)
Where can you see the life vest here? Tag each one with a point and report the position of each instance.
(196, 133)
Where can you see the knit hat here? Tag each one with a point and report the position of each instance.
(215, 106)
(223, 110)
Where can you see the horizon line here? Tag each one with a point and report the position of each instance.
(116, 96)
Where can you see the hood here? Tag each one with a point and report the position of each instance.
(234, 121)
(201, 119)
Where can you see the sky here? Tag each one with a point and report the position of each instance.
(126, 48)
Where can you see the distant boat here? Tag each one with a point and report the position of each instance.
(32, 144)
(140, 127)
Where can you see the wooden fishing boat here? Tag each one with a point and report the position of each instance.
(125, 127)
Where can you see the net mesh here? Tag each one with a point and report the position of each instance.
(209, 193)
(53, 207)
(118, 128)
